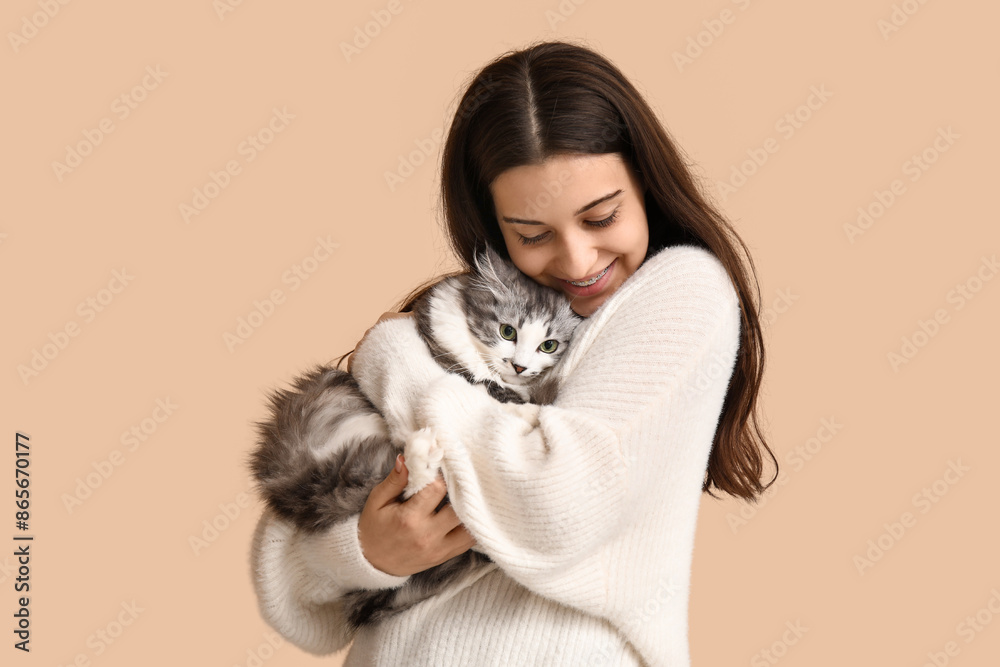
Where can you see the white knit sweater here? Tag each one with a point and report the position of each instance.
(589, 517)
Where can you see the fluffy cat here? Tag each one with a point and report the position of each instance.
(325, 446)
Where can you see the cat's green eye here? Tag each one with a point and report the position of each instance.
(507, 332)
(549, 346)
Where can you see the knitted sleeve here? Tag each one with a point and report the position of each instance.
(299, 578)
(544, 501)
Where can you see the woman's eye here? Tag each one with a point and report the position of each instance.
(528, 240)
(606, 221)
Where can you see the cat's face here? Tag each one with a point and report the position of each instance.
(524, 347)
(524, 327)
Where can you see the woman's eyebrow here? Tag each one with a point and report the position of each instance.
(592, 204)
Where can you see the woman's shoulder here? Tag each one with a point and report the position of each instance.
(679, 272)
(678, 306)
(673, 295)
(685, 259)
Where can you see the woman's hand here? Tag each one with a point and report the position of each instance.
(385, 316)
(408, 537)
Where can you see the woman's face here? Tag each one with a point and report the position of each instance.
(573, 218)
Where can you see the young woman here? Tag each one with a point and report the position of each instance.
(555, 161)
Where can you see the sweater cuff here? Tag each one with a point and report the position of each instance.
(337, 555)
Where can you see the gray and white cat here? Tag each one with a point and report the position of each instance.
(325, 446)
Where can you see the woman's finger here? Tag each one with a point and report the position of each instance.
(446, 520)
(458, 541)
(426, 499)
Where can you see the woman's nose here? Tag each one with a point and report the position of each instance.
(576, 259)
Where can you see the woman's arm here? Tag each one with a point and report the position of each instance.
(543, 500)
(300, 577)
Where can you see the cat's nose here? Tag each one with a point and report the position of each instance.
(517, 368)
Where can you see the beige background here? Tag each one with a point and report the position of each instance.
(62, 237)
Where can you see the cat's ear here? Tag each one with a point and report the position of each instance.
(491, 272)
(493, 268)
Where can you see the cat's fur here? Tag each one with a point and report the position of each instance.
(325, 446)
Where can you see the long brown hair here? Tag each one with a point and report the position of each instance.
(554, 98)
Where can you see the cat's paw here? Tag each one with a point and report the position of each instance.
(526, 411)
(423, 459)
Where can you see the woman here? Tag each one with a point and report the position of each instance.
(554, 160)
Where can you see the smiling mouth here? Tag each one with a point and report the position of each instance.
(585, 283)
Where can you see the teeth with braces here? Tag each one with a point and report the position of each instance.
(592, 280)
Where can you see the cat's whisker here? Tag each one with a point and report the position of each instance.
(456, 366)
